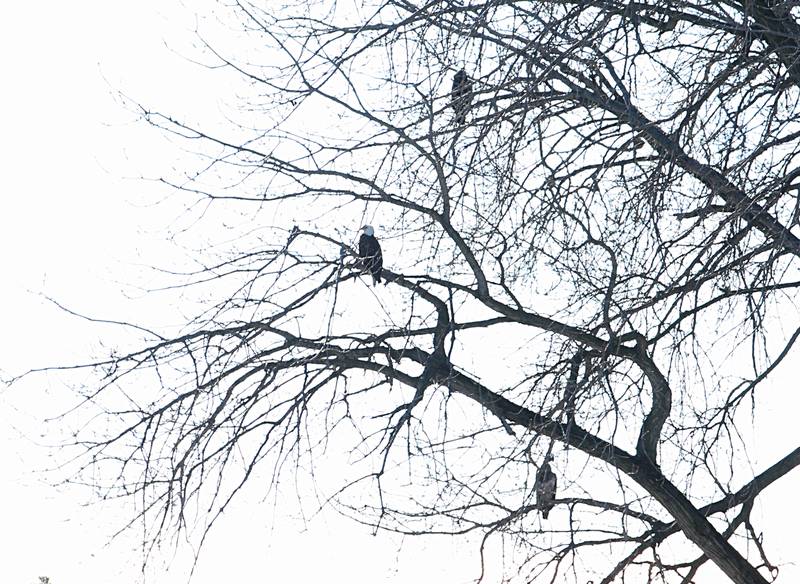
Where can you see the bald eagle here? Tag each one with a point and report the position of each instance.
(545, 486)
(369, 250)
(461, 96)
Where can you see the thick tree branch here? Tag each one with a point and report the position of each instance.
(779, 30)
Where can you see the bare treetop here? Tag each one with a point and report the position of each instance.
(587, 215)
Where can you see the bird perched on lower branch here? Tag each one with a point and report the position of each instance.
(545, 486)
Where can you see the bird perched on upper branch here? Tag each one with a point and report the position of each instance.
(369, 250)
(461, 96)
(545, 486)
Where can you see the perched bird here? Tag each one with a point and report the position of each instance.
(369, 250)
(461, 96)
(545, 486)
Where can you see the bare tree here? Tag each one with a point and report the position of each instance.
(598, 264)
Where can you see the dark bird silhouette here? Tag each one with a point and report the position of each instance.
(369, 250)
(461, 96)
(545, 486)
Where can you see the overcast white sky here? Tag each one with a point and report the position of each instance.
(72, 225)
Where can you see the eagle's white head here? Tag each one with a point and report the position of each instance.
(368, 230)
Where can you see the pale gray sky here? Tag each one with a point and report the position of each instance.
(72, 225)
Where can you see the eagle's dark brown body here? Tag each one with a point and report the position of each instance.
(369, 250)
